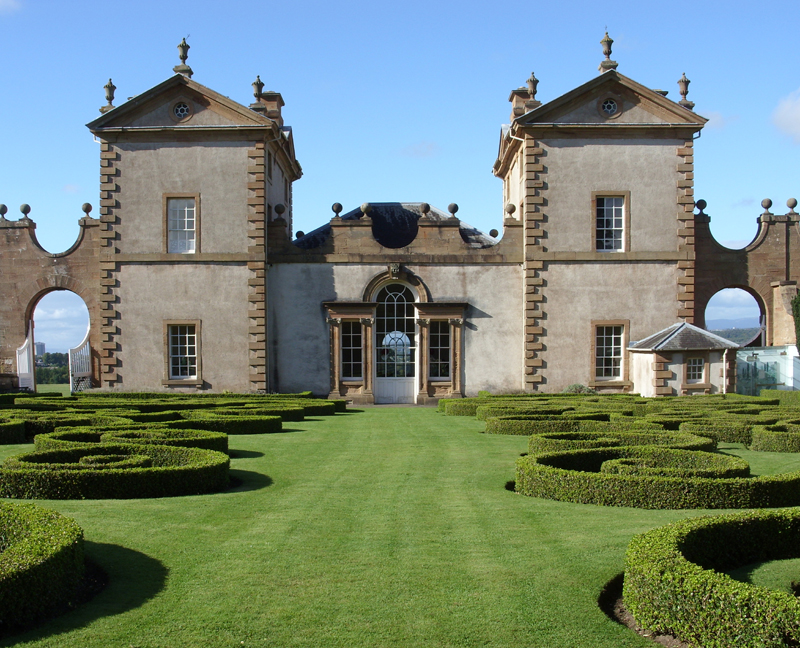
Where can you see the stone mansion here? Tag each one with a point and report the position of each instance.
(195, 280)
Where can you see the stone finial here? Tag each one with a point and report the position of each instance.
(766, 204)
(280, 209)
(452, 208)
(701, 205)
(683, 88)
(109, 88)
(25, 208)
(493, 233)
(510, 209)
(86, 208)
(365, 208)
(791, 204)
(425, 208)
(300, 234)
(3, 212)
(533, 83)
(337, 209)
(607, 64)
(258, 87)
(183, 54)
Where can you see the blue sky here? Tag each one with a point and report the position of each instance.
(393, 101)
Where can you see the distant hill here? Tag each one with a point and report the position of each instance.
(724, 324)
(737, 335)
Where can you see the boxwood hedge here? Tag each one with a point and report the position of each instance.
(41, 563)
(574, 476)
(57, 474)
(69, 437)
(559, 441)
(776, 438)
(525, 425)
(674, 582)
(12, 431)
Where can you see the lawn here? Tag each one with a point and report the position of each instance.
(386, 527)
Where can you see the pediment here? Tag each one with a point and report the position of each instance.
(592, 103)
(176, 102)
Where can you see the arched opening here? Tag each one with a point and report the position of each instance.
(60, 324)
(737, 314)
(395, 344)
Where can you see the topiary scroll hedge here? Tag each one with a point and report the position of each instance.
(41, 563)
(67, 474)
(575, 476)
(674, 581)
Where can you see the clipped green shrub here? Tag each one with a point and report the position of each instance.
(560, 441)
(725, 432)
(58, 474)
(484, 412)
(674, 582)
(12, 431)
(231, 424)
(526, 425)
(41, 563)
(776, 438)
(288, 413)
(188, 438)
(683, 464)
(574, 476)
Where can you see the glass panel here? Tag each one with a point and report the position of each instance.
(610, 223)
(440, 349)
(608, 352)
(351, 350)
(181, 228)
(395, 332)
(182, 351)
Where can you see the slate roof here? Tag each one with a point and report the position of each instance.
(394, 225)
(682, 337)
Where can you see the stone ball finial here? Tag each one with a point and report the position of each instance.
(791, 204)
(86, 208)
(510, 208)
(25, 208)
(337, 208)
(425, 208)
(300, 234)
(701, 204)
(766, 204)
(493, 233)
(452, 208)
(3, 210)
(366, 208)
(280, 208)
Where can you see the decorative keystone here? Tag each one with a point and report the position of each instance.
(109, 88)
(183, 54)
(683, 88)
(608, 64)
(452, 208)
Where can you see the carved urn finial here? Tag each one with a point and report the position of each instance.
(109, 88)
(683, 88)
(183, 54)
(258, 87)
(607, 64)
(533, 83)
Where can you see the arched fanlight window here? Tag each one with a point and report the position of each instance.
(395, 332)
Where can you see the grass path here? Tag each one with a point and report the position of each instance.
(388, 527)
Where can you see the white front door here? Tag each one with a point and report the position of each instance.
(395, 345)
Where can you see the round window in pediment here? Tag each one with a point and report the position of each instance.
(609, 107)
(181, 111)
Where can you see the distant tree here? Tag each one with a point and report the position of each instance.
(55, 359)
(52, 375)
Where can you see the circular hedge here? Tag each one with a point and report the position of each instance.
(575, 476)
(674, 582)
(185, 438)
(526, 425)
(41, 563)
(776, 438)
(559, 441)
(60, 474)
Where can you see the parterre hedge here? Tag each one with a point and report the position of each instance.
(574, 476)
(776, 438)
(72, 437)
(560, 441)
(58, 474)
(41, 563)
(12, 431)
(525, 425)
(674, 582)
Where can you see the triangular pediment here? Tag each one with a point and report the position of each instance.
(176, 102)
(611, 99)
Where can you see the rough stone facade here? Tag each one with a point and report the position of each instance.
(194, 281)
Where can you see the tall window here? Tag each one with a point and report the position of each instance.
(439, 342)
(395, 331)
(352, 362)
(608, 353)
(610, 228)
(181, 225)
(182, 351)
(694, 370)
